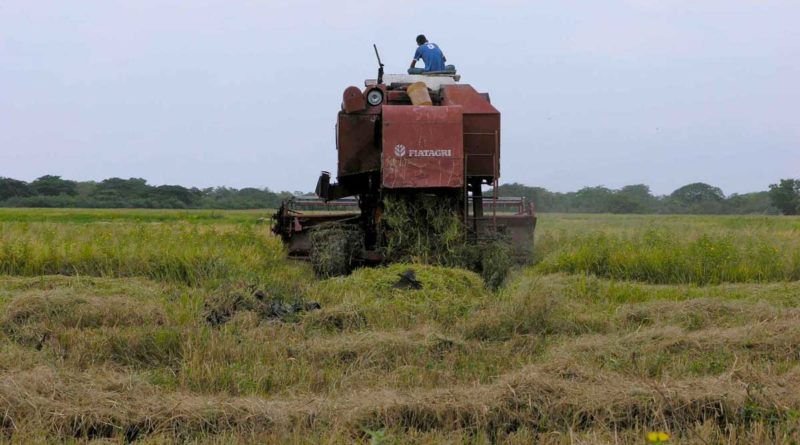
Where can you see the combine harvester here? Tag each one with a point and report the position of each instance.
(409, 136)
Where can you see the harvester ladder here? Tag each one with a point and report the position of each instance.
(495, 177)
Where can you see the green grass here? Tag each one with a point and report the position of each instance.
(623, 325)
(85, 216)
(672, 249)
(186, 252)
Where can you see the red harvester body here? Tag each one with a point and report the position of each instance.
(386, 145)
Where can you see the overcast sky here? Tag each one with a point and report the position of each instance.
(245, 94)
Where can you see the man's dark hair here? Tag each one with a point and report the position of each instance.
(421, 39)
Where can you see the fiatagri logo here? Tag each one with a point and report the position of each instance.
(401, 151)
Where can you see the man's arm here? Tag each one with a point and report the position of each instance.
(417, 56)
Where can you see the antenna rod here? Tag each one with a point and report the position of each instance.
(377, 55)
(380, 64)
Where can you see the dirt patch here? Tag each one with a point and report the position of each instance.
(221, 308)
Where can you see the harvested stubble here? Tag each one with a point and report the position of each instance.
(33, 317)
(549, 358)
(107, 404)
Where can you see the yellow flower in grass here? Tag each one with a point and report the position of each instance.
(657, 437)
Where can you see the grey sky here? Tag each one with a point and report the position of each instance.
(242, 94)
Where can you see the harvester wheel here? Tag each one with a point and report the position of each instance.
(335, 249)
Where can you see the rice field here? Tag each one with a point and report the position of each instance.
(192, 327)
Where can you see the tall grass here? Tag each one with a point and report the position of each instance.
(177, 252)
(87, 216)
(700, 250)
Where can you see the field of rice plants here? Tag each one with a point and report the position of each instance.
(191, 326)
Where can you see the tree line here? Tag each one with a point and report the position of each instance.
(53, 191)
(698, 198)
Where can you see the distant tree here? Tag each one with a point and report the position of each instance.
(52, 191)
(11, 188)
(543, 199)
(593, 199)
(786, 196)
(750, 203)
(621, 203)
(50, 185)
(697, 198)
(698, 192)
(634, 199)
(85, 188)
(118, 188)
(188, 197)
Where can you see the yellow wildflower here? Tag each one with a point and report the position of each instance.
(657, 437)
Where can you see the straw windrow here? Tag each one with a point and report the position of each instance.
(116, 346)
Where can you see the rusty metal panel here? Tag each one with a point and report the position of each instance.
(471, 101)
(481, 129)
(397, 97)
(422, 147)
(357, 143)
(482, 144)
(353, 100)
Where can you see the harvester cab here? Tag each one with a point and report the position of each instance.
(407, 136)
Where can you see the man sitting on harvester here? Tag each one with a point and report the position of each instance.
(432, 55)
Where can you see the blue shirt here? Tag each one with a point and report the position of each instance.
(431, 55)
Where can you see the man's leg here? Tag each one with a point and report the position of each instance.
(416, 70)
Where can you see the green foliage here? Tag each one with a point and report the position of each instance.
(750, 203)
(695, 198)
(697, 192)
(118, 188)
(50, 185)
(786, 196)
(54, 192)
(10, 188)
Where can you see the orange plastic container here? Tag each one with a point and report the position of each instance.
(418, 92)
